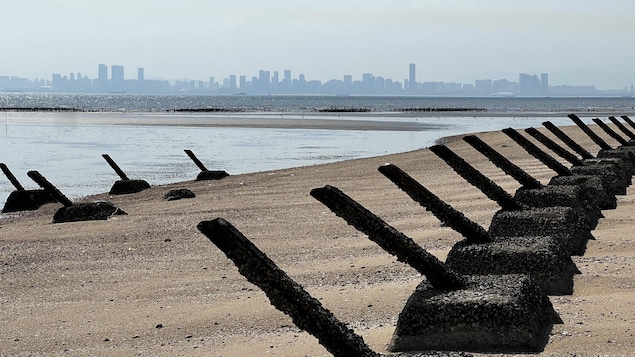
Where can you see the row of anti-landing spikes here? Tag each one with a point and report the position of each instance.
(321, 194)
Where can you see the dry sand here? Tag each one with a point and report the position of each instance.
(151, 284)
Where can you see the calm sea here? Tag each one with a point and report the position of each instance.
(67, 151)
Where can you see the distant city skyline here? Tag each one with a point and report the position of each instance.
(581, 42)
(112, 79)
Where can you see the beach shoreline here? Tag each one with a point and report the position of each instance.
(389, 121)
(105, 287)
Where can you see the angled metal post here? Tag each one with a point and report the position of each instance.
(196, 160)
(553, 146)
(568, 141)
(536, 152)
(50, 188)
(520, 175)
(476, 178)
(472, 232)
(596, 139)
(11, 178)
(390, 239)
(115, 167)
(622, 127)
(284, 293)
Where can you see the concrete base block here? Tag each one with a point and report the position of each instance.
(560, 223)
(122, 187)
(592, 186)
(542, 258)
(493, 313)
(26, 200)
(566, 196)
(211, 175)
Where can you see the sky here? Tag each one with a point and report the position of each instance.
(578, 42)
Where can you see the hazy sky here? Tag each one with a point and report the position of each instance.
(575, 41)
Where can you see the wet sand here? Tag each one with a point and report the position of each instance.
(150, 283)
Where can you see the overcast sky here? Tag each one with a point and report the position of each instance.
(576, 41)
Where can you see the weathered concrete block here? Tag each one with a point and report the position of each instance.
(566, 196)
(493, 313)
(542, 258)
(560, 223)
(592, 187)
(27, 200)
(625, 154)
(211, 175)
(612, 177)
(122, 187)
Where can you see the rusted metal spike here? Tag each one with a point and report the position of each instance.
(628, 120)
(520, 175)
(390, 239)
(11, 178)
(115, 167)
(476, 178)
(196, 160)
(553, 146)
(50, 188)
(472, 232)
(284, 293)
(622, 127)
(596, 139)
(568, 141)
(610, 131)
(536, 152)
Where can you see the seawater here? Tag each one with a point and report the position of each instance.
(69, 154)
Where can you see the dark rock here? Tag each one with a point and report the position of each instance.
(177, 194)
(122, 187)
(86, 212)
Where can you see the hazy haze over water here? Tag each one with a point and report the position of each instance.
(578, 42)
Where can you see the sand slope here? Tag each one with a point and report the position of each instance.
(150, 283)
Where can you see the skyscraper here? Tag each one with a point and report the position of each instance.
(140, 74)
(102, 76)
(116, 73)
(412, 78)
(116, 81)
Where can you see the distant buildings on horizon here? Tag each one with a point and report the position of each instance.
(271, 83)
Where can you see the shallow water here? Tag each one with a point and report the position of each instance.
(69, 154)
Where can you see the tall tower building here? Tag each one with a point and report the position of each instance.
(116, 82)
(412, 78)
(102, 76)
(116, 73)
(140, 74)
(264, 81)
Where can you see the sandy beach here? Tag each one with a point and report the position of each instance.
(150, 284)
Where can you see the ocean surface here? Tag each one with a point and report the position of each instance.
(64, 135)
